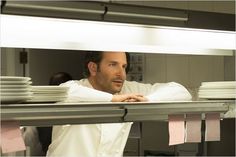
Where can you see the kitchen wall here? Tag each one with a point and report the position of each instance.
(44, 63)
(10, 62)
(229, 68)
(189, 70)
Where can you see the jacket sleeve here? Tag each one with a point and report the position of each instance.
(159, 91)
(171, 91)
(79, 93)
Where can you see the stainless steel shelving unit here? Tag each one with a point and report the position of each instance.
(47, 114)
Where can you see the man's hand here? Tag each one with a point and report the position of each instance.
(128, 98)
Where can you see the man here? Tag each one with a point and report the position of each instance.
(106, 74)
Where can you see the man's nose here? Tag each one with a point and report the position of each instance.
(121, 72)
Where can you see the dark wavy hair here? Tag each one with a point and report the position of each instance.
(96, 57)
(59, 78)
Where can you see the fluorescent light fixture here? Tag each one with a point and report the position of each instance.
(66, 9)
(146, 13)
(53, 33)
(96, 11)
(56, 8)
(136, 15)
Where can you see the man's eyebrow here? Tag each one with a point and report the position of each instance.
(113, 61)
(116, 62)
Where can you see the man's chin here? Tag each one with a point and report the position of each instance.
(117, 87)
(116, 90)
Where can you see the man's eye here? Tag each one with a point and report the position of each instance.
(112, 64)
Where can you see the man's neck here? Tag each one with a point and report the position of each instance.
(93, 84)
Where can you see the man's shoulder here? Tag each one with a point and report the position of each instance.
(134, 87)
(129, 83)
(83, 82)
(135, 83)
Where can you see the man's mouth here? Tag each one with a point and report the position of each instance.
(118, 81)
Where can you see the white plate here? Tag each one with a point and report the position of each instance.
(49, 97)
(46, 99)
(14, 78)
(218, 96)
(15, 82)
(14, 98)
(41, 101)
(232, 91)
(15, 86)
(49, 88)
(16, 94)
(226, 84)
(229, 83)
(216, 93)
(15, 90)
(217, 87)
(50, 94)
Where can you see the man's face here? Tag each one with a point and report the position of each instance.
(111, 73)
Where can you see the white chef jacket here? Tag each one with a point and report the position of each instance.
(109, 139)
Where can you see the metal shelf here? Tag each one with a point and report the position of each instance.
(162, 110)
(60, 114)
(47, 114)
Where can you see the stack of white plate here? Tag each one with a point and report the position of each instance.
(217, 90)
(15, 89)
(48, 93)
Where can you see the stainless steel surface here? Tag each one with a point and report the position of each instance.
(162, 110)
(53, 114)
(107, 112)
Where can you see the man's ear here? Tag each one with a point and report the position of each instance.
(92, 68)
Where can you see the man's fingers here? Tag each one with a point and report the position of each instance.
(135, 98)
(128, 98)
